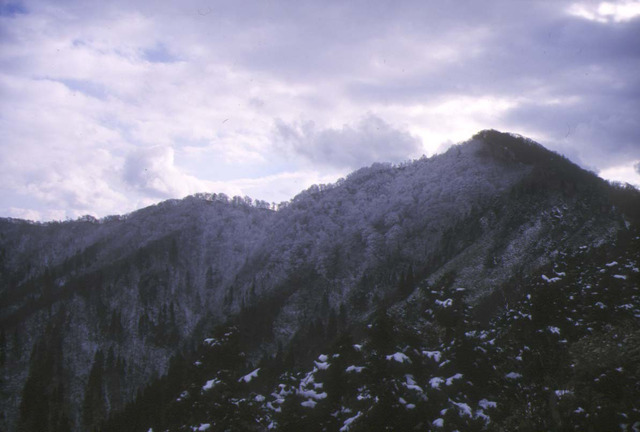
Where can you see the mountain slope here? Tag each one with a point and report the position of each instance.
(93, 310)
(562, 356)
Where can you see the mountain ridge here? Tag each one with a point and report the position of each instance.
(150, 284)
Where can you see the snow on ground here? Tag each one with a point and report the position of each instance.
(444, 303)
(309, 403)
(248, 377)
(411, 384)
(435, 382)
(554, 330)
(322, 365)
(399, 357)
(347, 423)
(550, 280)
(463, 408)
(486, 404)
(311, 394)
(212, 342)
(453, 378)
(210, 384)
(434, 355)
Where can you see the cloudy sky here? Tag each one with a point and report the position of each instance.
(108, 106)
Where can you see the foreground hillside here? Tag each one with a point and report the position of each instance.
(564, 355)
(93, 311)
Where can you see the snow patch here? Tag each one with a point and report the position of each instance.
(550, 280)
(248, 377)
(210, 384)
(309, 403)
(399, 357)
(554, 330)
(322, 365)
(435, 382)
(513, 375)
(212, 342)
(347, 423)
(444, 303)
(434, 355)
(486, 404)
(453, 378)
(463, 408)
(311, 394)
(411, 384)
(483, 416)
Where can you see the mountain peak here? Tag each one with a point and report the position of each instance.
(510, 147)
(485, 216)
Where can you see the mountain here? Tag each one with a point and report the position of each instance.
(152, 319)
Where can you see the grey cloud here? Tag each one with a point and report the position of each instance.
(637, 167)
(327, 59)
(370, 140)
(539, 52)
(534, 59)
(147, 171)
(595, 131)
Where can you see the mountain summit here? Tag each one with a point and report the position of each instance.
(94, 311)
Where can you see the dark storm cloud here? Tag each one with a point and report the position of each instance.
(371, 140)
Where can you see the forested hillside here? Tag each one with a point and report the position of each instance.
(434, 256)
(563, 355)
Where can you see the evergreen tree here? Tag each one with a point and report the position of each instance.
(94, 406)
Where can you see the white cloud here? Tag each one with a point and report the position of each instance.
(151, 172)
(605, 12)
(370, 140)
(627, 173)
(92, 90)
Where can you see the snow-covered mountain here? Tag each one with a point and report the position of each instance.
(93, 311)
